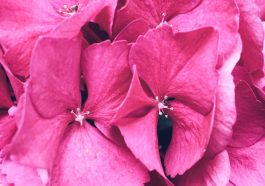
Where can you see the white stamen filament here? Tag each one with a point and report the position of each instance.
(79, 115)
(163, 21)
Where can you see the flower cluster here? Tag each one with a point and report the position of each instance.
(132, 93)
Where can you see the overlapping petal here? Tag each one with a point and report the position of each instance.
(54, 86)
(152, 11)
(252, 34)
(173, 66)
(107, 74)
(222, 15)
(37, 139)
(190, 136)
(207, 172)
(85, 157)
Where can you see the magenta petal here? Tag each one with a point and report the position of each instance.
(140, 135)
(171, 65)
(55, 76)
(20, 175)
(21, 27)
(225, 111)
(208, 172)
(250, 115)
(85, 157)
(137, 121)
(248, 161)
(158, 180)
(131, 32)
(151, 11)
(190, 136)
(107, 74)
(222, 15)
(5, 97)
(69, 28)
(37, 139)
(252, 34)
(17, 85)
(7, 130)
(261, 6)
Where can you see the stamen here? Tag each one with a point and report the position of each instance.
(69, 10)
(163, 21)
(79, 115)
(162, 105)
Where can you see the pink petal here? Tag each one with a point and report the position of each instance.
(131, 32)
(137, 121)
(100, 12)
(151, 11)
(85, 157)
(225, 111)
(248, 161)
(7, 129)
(26, 23)
(140, 135)
(208, 172)
(222, 15)
(250, 115)
(5, 97)
(252, 34)
(37, 139)
(258, 76)
(17, 84)
(55, 76)
(171, 65)
(261, 6)
(107, 74)
(20, 175)
(190, 136)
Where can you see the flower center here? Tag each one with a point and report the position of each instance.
(162, 105)
(79, 115)
(68, 10)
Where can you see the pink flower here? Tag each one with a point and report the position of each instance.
(173, 82)
(53, 131)
(21, 28)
